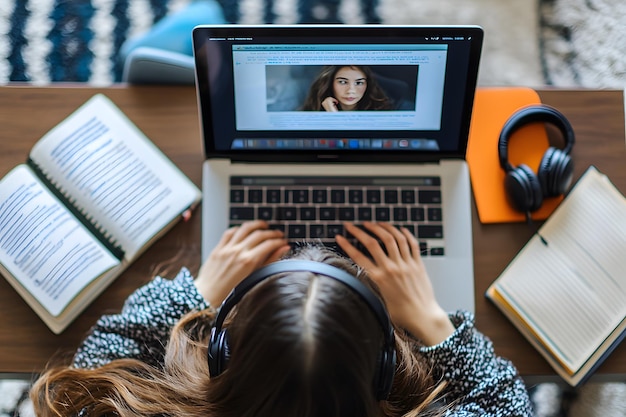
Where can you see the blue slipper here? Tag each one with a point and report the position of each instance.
(173, 32)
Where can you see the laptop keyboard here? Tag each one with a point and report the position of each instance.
(314, 208)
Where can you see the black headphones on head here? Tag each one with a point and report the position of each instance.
(218, 349)
(524, 189)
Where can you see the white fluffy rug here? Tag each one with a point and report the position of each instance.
(511, 48)
(13, 401)
(584, 43)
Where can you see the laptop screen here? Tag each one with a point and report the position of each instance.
(345, 93)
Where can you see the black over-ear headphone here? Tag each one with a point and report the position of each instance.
(524, 189)
(218, 350)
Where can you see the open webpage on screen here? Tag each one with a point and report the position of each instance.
(262, 70)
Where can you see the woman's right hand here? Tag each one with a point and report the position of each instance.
(330, 104)
(400, 274)
(241, 250)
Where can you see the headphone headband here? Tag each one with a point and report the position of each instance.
(531, 114)
(526, 190)
(217, 344)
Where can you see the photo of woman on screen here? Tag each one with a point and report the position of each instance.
(348, 87)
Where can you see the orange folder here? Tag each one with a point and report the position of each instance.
(492, 108)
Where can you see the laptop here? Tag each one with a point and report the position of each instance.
(308, 126)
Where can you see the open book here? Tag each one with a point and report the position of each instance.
(93, 195)
(566, 289)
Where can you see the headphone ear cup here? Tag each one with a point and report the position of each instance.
(523, 189)
(555, 172)
(219, 352)
(385, 373)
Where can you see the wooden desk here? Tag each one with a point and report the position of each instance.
(168, 115)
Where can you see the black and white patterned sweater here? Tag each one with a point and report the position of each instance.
(481, 383)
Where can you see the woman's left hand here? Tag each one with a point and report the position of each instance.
(403, 281)
(241, 250)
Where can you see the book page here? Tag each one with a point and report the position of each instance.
(572, 290)
(114, 174)
(43, 246)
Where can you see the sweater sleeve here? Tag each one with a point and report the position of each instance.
(142, 328)
(480, 383)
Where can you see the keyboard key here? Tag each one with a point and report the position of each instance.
(308, 213)
(373, 197)
(364, 214)
(277, 226)
(265, 213)
(328, 213)
(337, 196)
(436, 251)
(400, 214)
(417, 214)
(408, 196)
(286, 213)
(296, 231)
(255, 195)
(430, 196)
(317, 231)
(382, 214)
(272, 196)
(299, 196)
(242, 213)
(391, 197)
(434, 214)
(355, 196)
(429, 232)
(237, 196)
(335, 229)
(320, 196)
(346, 213)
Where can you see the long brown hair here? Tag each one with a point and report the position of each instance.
(301, 344)
(322, 87)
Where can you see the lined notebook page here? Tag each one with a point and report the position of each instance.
(572, 291)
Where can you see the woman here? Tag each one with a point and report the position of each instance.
(300, 344)
(350, 87)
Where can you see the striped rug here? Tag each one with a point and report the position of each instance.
(528, 42)
(42, 41)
